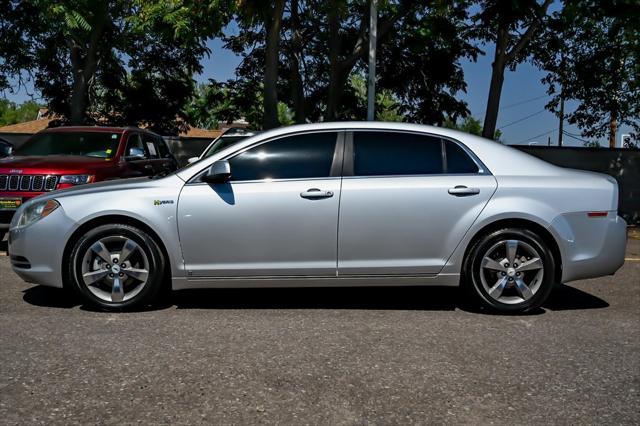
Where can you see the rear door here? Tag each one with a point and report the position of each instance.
(407, 200)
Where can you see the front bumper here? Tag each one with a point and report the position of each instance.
(591, 247)
(41, 245)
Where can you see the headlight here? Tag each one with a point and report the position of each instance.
(76, 179)
(36, 211)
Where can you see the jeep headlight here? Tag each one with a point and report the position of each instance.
(36, 211)
(76, 179)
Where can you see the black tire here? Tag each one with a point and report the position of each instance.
(472, 271)
(147, 245)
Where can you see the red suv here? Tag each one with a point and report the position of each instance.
(67, 156)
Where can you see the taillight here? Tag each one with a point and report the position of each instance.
(597, 214)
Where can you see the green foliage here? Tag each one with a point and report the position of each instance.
(469, 125)
(217, 103)
(387, 107)
(592, 55)
(285, 115)
(420, 45)
(11, 113)
(111, 62)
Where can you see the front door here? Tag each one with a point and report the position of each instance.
(407, 201)
(278, 216)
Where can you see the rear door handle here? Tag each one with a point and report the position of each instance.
(462, 191)
(315, 193)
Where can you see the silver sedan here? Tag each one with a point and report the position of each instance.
(334, 204)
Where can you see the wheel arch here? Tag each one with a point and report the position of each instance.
(522, 223)
(106, 220)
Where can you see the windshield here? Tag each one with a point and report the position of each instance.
(87, 144)
(223, 142)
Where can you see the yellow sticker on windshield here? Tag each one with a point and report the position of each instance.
(109, 151)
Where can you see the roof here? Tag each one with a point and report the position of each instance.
(35, 126)
(194, 132)
(497, 158)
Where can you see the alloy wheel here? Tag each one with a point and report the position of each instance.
(511, 271)
(115, 269)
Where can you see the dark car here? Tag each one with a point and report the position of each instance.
(5, 148)
(225, 140)
(67, 156)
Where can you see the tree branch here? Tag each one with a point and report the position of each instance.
(526, 37)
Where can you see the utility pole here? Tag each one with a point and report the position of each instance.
(560, 127)
(373, 33)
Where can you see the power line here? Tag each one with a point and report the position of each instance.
(522, 119)
(536, 136)
(518, 103)
(523, 102)
(574, 137)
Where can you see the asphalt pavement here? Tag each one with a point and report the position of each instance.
(323, 356)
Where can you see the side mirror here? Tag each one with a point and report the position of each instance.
(135, 154)
(192, 160)
(219, 172)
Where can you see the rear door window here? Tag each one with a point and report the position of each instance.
(394, 153)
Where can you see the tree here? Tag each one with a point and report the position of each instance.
(112, 62)
(262, 22)
(591, 54)
(11, 113)
(469, 125)
(324, 44)
(511, 25)
(387, 106)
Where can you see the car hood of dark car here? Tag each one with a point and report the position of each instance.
(53, 164)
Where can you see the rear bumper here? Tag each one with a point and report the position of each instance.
(590, 247)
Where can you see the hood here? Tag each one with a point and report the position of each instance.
(54, 164)
(114, 185)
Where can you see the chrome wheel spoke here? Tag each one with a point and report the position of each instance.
(498, 288)
(115, 269)
(531, 265)
(523, 290)
(117, 291)
(489, 263)
(129, 247)
(99, 248)
(139, 274)
(512, 248)
(94, 276)
(517, 274)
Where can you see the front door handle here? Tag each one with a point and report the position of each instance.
(315, 193)
(463, 191)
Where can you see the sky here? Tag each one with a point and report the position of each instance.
(522, 117)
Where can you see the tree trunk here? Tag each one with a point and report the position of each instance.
(272, 53)
(84, 68)
(78, 104)
(297, 90)
(495, 89)
(613, 129)
(335, 88)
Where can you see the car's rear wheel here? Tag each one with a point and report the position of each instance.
(116, 267)
(510, 270)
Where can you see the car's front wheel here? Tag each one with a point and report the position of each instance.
(116, 267)
(510, 270)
